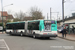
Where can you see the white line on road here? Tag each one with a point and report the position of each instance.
(3, 47)
(6, 44)
(2, 40)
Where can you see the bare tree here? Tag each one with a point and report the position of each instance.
(20, 15)
(16, 19)
(35, 13)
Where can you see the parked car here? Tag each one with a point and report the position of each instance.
(2, 29)
(59, 29)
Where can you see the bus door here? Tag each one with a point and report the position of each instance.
(14, 27)
(29, 28)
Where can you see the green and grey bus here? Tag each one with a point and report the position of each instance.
(35, 28)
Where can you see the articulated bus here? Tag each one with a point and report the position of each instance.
(35, 28)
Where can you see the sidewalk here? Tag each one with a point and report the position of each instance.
(2, 33)
(70, 37)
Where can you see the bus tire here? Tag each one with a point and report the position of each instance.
(10, 33)
(21, 34)
(34, 36)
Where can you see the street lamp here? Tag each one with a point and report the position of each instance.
(7, 5)
(57, 15)
(2, 12)
(47, 16)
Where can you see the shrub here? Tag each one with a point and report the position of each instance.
(0, 24)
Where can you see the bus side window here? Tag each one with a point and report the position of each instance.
(29, 26)
(36, 26)
(33, 26)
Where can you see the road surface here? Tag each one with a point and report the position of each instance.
(8, 42)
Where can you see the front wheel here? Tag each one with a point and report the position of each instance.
(21, 34)
(34, 36)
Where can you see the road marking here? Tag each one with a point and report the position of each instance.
(1, 39)
(3, 47)
(4, 44)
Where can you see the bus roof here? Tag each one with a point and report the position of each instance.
(16, 22)
(27, 21)
(33, 20)
(39, 20)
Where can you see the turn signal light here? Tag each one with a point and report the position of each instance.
(54, 33)
(44, 33)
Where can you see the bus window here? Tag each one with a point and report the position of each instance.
(52, 22)
(36, 26)
(47, 25)
(20, 25)
(15, 26)
(9, 26)
(33, 25)
(29, 26)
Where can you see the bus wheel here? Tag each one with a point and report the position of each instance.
(10, 33)
(21, 34)
(34, 36)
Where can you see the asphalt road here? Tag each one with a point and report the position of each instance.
(8, 42)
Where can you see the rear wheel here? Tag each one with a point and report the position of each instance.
(10, 33)
(34, 36)
(21, 34)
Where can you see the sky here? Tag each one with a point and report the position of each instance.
(43, 5)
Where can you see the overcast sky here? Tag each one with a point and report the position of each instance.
(43, 5)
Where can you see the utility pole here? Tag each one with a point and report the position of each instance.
(47, 16)
(63, 11)
(50, 13)
(57, 15)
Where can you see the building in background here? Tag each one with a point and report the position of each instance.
(73, 14)
(10, 18)
(69, 23)
(5, 14)
(6, 17)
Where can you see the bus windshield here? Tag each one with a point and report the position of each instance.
(47, 25)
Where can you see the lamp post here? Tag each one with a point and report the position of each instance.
(50, 13)
(2, 11)
(57, 15)
(47, 16)
(7, 5)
